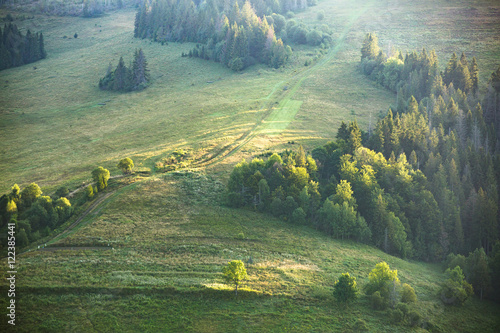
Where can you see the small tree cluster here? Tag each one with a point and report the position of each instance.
(124, 78)
(35, 214)
(456, 290)
(17, 50)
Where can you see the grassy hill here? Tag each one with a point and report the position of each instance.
(148, 258)
(152, 261)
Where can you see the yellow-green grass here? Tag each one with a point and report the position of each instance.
(54, 131)
(169, 239)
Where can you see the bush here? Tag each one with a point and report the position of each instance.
(240, 236)
(455, 290)
(414, 318)
(298, 216)
(236, 64)
(321, 15)
(345, 289)
(396, 316)
(314, 37)
(377, 301)
(408, 294)
(234, 199)
(62, 192)
(276, 207)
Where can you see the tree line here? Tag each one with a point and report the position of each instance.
(35, 215)
(238, 38)
(17, 50)
(452, 139)
(123, 78)
(414, 186)
(85, 8)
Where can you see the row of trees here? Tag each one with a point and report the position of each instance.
(35, 215)
(416, 207)
(416, 73)
(86, 8)
(17, 50)
(123, 78)
(237, 38)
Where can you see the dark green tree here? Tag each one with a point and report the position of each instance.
(345, 289)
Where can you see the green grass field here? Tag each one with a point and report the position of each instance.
(165, 241)
(156, 246)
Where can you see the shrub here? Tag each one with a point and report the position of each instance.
(408, 294)
(455, 290)
(345, 289)
(62, 192)
(396, 316)
(314, 37)
(377, 301)
(321, 15)
(298, 216)
(414, 318)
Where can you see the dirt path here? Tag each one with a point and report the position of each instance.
(86, 185)
(92, 208)
(275, 120)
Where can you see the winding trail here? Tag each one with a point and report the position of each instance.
(273, 122)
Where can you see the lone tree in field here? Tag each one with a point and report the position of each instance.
(235, 273)
(126, 165)
(345, 289)
(101, 176)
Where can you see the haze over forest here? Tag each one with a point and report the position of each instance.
(250, 165)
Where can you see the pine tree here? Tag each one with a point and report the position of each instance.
(449, 72)
(121, 77)
(370, 47)
(140, 70)
(474, 75)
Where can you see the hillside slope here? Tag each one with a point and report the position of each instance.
(159, 249)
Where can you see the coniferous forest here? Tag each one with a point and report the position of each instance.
(250, 166)
(422, 184)
(127, 79)
(232, 36)
(17, 50)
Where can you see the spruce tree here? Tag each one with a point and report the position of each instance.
(370, 47)
(449, 72)
(121, 77)
(140, 70)
(474, 75)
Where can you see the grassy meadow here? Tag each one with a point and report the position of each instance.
(159, 249)
(149, 258)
